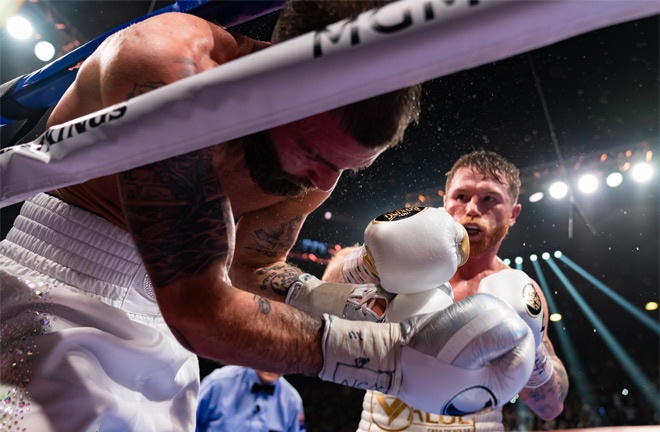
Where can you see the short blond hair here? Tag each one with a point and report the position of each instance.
(489, 164)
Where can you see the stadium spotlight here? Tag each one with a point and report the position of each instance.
(642, 172)
(588, 183)
(555, 317)
(536, 197)
(557, 254)
(558, 190)
(545, 256)
(614, 179)
(533, 258)
(44, 50)
(19, 27)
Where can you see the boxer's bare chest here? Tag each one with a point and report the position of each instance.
(464, 288)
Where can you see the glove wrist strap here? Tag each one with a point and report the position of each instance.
(316, 297)
(361, 355)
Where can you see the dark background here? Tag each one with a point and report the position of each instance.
(602, 97)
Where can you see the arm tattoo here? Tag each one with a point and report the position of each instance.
(178, 214)
(263, 304)
(278, 278)
(273, 242)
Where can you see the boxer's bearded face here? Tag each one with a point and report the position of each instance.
(266, 170)
(489, 240)
(483, 206)
(308, 154)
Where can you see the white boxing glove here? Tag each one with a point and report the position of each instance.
(346, 300)
(473, 355)
(406, 305)
(517, 289)
(410, 250)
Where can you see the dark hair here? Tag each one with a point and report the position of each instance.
(490, 164)
(374, 122)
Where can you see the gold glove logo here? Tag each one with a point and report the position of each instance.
(390, 414)
(396, 215)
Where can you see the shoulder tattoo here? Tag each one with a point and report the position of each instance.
(183, 68)
(178, 215)
(263, 304)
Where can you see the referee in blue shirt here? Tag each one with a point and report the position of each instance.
(235, 398)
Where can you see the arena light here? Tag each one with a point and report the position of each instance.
(555, 317)
(44, 51)
(642, 172)
(572, 359)
(536, 197)
(533, 258)
(545, 256)
(651, 306)
(506, 261)
(19, 27)
(627, 362)
(625, 304)
(557, 254)
(588, 183)
(614, 179)
(558, 190)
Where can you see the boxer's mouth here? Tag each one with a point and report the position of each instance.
(472, 229)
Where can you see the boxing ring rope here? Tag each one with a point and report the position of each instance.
(401, 44)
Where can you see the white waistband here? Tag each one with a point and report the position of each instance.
(82, 250)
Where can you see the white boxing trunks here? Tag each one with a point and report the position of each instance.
(84, 347)
(384, 413)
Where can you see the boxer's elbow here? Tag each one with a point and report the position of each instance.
(551, 412)
(546, 402)
(194, 310)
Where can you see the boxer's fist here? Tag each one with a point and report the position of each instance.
(415, 249)
(517, 289)
(474, 355)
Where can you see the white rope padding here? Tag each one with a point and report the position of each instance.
(398, 45)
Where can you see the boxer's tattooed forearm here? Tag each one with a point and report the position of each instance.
(548, 397)
(178, 215)
(263, 304)
(278, 278)
(274, 242)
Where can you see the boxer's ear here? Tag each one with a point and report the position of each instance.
(515, 212)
